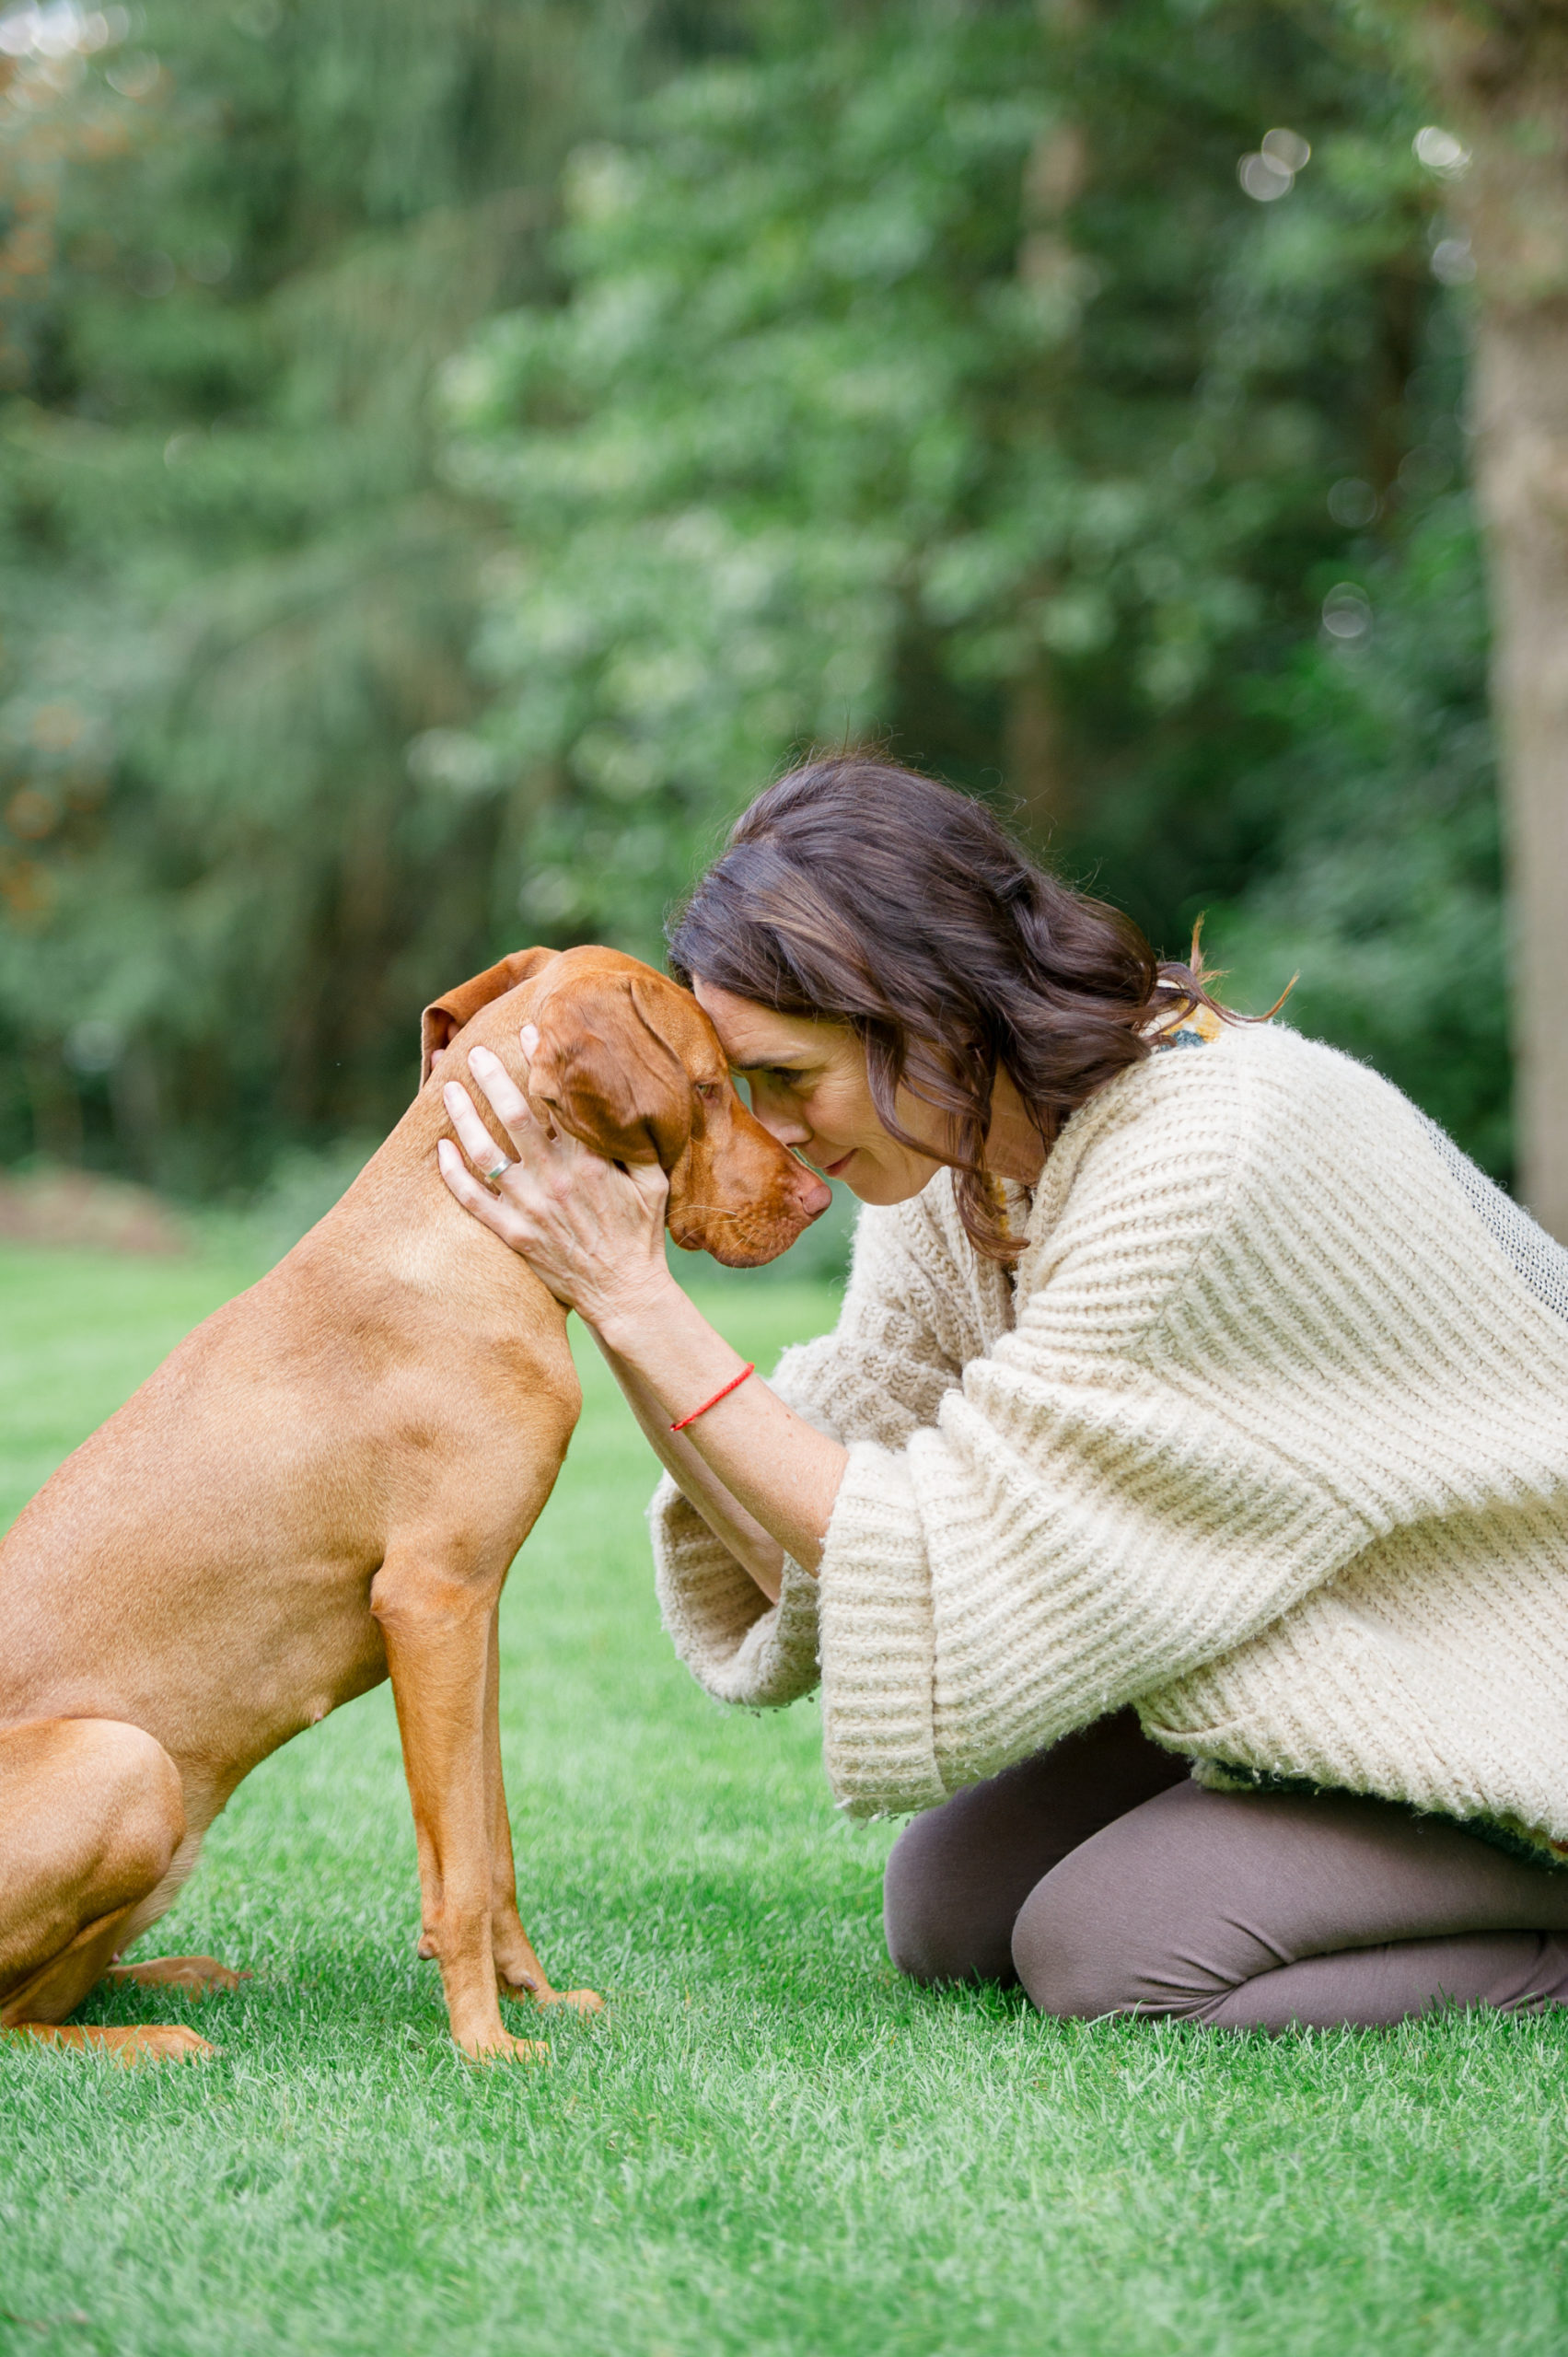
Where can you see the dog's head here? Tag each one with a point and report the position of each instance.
(628, 1062)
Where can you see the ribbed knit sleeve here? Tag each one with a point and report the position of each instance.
(736, 1643)
(916, 1307)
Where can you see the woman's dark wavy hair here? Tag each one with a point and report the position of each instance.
(868, 894)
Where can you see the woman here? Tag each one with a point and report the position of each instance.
(1178, 1512)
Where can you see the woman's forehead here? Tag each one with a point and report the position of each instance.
(752, 1035)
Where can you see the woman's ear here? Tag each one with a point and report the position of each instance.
(608, 1076)
(445, 1016)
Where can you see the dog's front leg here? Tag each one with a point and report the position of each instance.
(435, 1618)
(517, 1966)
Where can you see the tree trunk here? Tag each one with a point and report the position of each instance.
(1504, 79)
(1054, 178)
(1522, 388)
(1031, 749)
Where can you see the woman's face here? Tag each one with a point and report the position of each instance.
(808, 1087)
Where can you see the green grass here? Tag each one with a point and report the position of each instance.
(769, 2143)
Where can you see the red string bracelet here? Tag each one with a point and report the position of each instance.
(734, 1384)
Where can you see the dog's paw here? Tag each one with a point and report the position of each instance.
(537, 1991)
(147, 2042)
(165, 2042)
(502, 2047)
(583, 2001)
(198, 1974)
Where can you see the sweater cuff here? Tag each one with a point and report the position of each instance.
(736, 1645)
(878, 1643)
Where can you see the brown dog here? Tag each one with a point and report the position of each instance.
(325, 1485)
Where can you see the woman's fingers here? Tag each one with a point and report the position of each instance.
(506, 1100)
(476, 1141)
(473, 1197)
(528, 1040)
(651, 1183)
(586, 1227)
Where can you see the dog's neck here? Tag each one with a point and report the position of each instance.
(408, 1226)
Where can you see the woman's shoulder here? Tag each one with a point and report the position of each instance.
(1284, 1090)
(1215, 1127)
(1233, 1079)
(1204, 1131)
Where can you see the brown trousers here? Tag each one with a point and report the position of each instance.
(1106, 1881)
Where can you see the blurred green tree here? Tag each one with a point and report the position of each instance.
(1380, 883)
(1000, 379)
(241, 842)
(1074, 395)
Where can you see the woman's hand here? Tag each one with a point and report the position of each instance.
(592, 1230)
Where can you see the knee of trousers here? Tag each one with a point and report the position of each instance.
(1070, 1957)
(926, 1913)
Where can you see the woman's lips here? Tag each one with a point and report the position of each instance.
(833, 1170)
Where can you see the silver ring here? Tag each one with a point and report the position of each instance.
(498, 1170)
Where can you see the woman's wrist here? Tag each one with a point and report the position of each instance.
(629, 1319)
(744, 1452)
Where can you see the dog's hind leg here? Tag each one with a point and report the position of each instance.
(517, 1968)
(92, 1815)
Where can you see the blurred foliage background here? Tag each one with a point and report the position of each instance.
(450, 458)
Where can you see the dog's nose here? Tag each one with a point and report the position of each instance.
(813, 1194)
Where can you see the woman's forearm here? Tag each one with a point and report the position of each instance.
(757, 1453)
(723, 1513)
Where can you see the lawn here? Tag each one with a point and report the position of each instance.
(768, 2142)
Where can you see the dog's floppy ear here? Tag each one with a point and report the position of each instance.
(604, 1072)
(446, 1017)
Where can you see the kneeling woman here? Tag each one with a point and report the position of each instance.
(1177, 1517)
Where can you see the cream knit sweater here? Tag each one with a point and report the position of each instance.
(1267, 1434)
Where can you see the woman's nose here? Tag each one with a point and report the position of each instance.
(780, 1121)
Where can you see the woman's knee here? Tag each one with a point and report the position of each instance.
(938, 1928)
(1127, 1921)
(1067, 1954)
(958, 1875)
(916, 1907)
